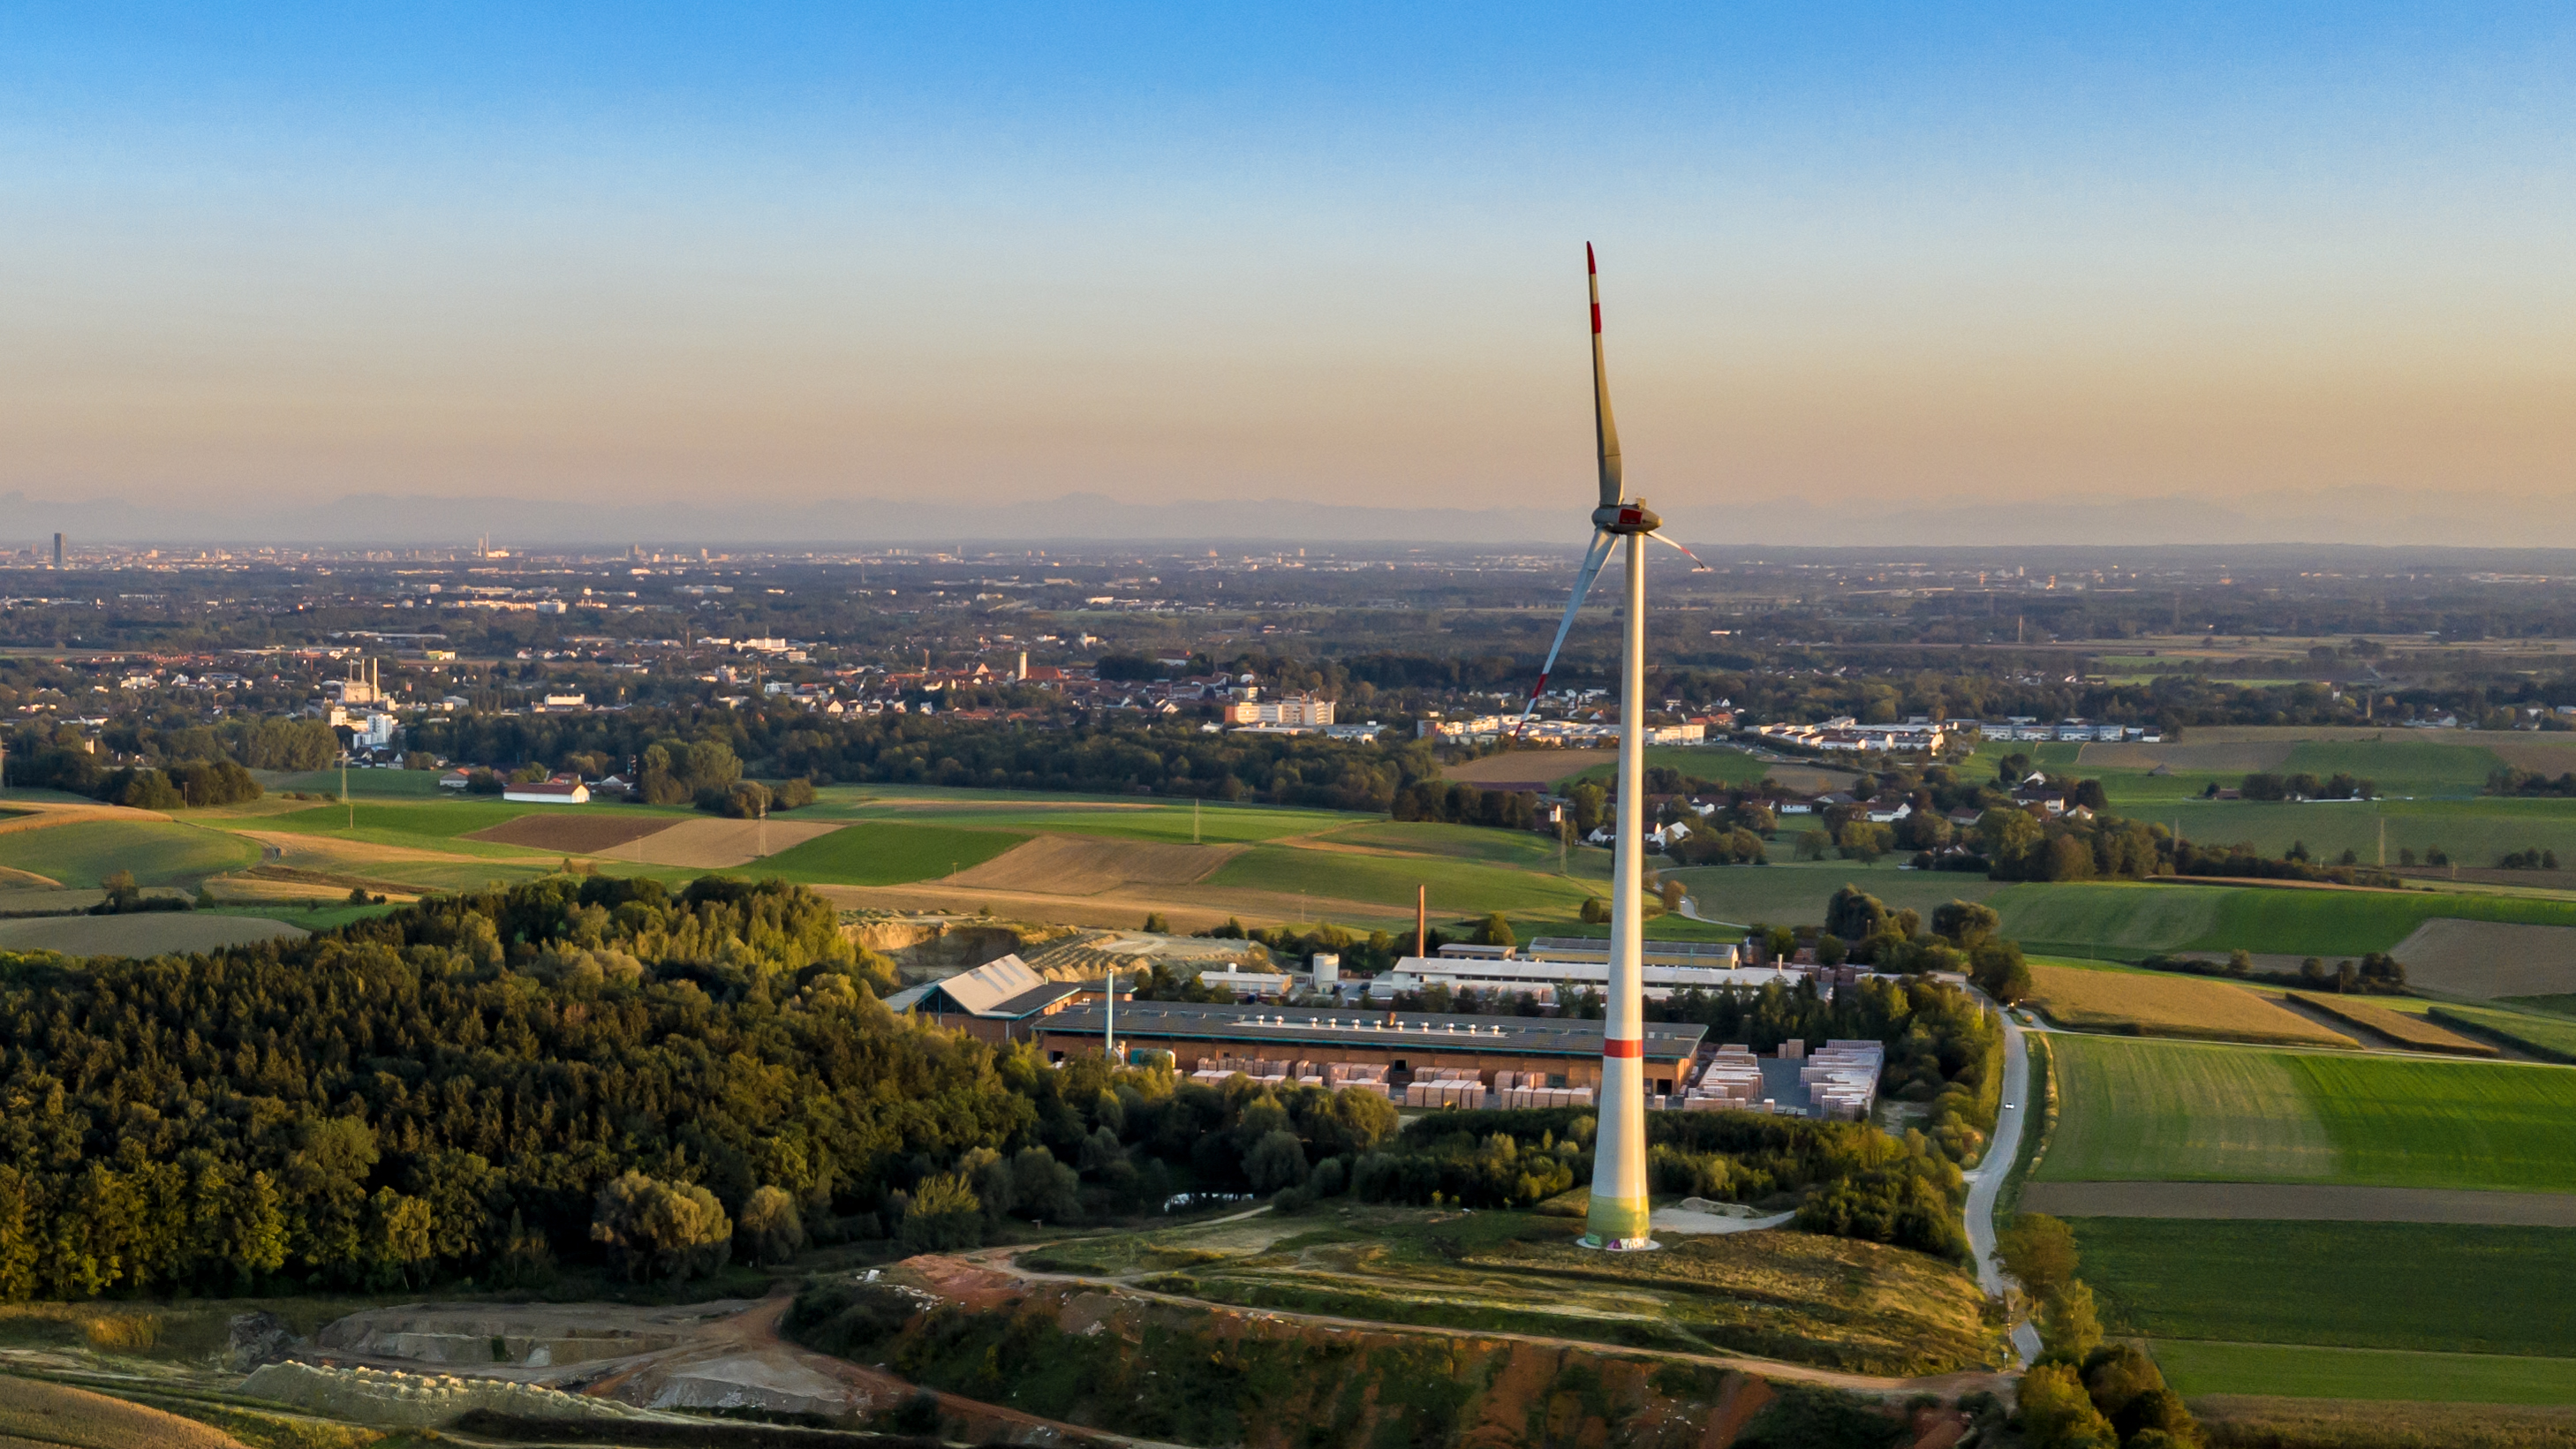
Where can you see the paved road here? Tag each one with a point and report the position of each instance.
(1987, 1181)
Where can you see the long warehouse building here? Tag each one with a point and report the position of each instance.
(1557, 1051)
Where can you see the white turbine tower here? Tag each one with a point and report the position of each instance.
(1619, 1207)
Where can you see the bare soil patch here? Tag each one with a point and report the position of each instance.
(573, 834)
(1527, 769)
(2487, 959)
(717, 844)
(2553, 754)
(149, 934)
(2299, 1202)
(1077, 865)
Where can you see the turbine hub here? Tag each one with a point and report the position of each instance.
(1632, 516)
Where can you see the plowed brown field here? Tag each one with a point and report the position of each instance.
(717, 844)
(2488, 959)
(1079, 865)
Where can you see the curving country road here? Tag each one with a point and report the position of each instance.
(1986, 1182)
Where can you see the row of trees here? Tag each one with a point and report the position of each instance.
(197, 782)
(2083, 1393)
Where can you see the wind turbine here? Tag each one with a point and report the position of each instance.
(1618, 1219)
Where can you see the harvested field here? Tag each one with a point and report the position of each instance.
(25, 880)
(2192, 756)
(718, 844)
(1526, 769)
(153, 933)
(1191, 908)
(2299, 1202)
(2168, 1006)
(574, 834)
(2276, 1422)
(47, 814)
(1074, 865)
(54, 1414)
(2397, 1026)
(2487, 959)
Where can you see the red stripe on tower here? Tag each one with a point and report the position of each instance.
(1614, 1047)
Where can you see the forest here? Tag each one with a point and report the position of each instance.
(586, 1070)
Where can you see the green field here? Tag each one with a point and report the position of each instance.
(2547, 1036)
(2446, 1287)
(886, 854)
(1458, 886)
(159, 852)
(2140, 1110)
(2140, 918)
(1794, 893)
(1125, 817)
(2301, 1372)
(363, 784)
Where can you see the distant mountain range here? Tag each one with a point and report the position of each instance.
(2365, 516)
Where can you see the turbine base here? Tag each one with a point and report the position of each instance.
(1617, 1245)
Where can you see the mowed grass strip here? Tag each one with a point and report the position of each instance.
(2417, 1123)
(2293, 1371)
(2148, 1111)
(2400, 1027)
(2148, 1004)
(2444, 1287)
(1457, 887)
(2112, 917)
(159, 852)
(2545, 1036)
(873, 852)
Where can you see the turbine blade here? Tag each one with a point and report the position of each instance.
(1686, 553)
(1593, 558)
(1605, 430)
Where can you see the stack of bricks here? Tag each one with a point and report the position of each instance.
(1365, 1076)
(1213, 1070)
(1530, 1089)
(1445, 1087)
(1842, 1079)
(1732, 1081)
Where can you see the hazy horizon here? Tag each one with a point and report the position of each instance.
(1869, 275)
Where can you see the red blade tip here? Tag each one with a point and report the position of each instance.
(1587, 260)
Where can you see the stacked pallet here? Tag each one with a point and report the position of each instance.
(1842, 1079)
(1439, 1091)
(1731, 1080)
(1546, 1096)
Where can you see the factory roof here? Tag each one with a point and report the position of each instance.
(1375, 1030)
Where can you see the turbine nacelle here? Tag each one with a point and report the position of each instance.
(1631, 516)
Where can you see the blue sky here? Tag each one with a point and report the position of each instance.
(636, 251)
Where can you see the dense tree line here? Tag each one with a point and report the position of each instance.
(1112, 754)
(181, 783)
(481, 1085)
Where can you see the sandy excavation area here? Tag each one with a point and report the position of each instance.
(724, 1354)
(2488, 959)
(717, 844)
(1077, 865)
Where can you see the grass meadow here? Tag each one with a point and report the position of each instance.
(2437, 1287)
(2548, 1036)
(1794, 894)
(2140, 918)
(2146, 1111)
(1125, 817)
(2302, 1371)
(886, 853)
(159, 852)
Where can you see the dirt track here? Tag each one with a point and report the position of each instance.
(1081, 865)
(2293, 1202)
(2488, 959)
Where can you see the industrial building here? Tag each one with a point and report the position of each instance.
(1001, 1001)
(1551, 1053)
(1552, 966)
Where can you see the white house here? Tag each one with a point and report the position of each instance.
(558, 791)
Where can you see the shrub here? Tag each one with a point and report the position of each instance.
(943, 1215)
(771, 1228)
(673, 1230)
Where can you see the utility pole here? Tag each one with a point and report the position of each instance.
(1422, 920)
(344, 790)
(1194, 820)
(1109, 1038)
